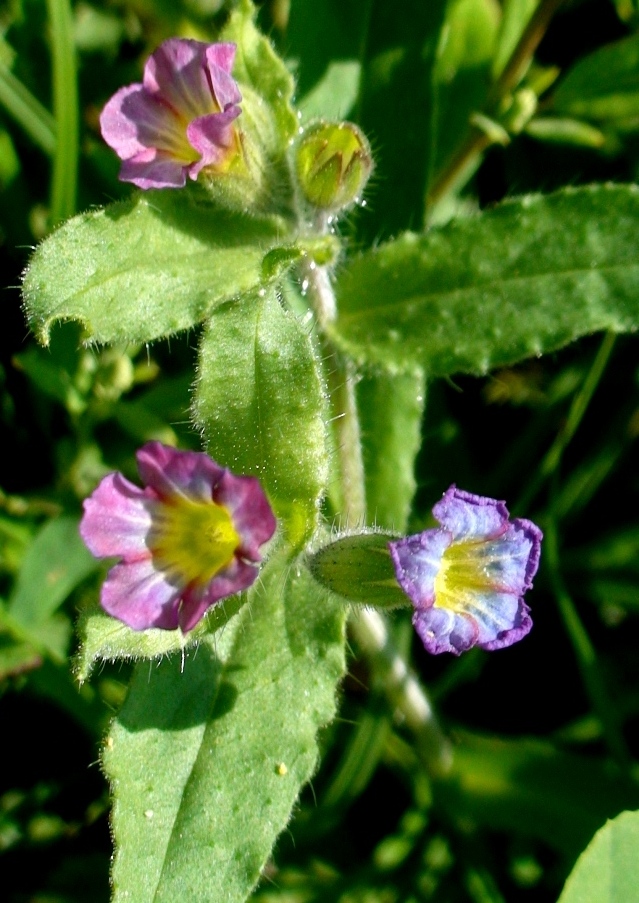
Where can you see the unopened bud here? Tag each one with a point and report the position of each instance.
(333, 164)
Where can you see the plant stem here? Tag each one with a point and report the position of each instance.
(341, 385)
(66, 110)
(403, 690)
(368, 627)
(478, 140)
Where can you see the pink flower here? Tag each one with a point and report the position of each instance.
(191, 537)
(179, 120)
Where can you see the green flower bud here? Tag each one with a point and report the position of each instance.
(333, 164)
(358, 567)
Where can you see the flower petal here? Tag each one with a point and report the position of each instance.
(220, 59)
(170, 472)
(196, 600)
(133, 121)
(444, 631)
(510, 561)
(211, 136)
(417, 561)
(469, 516)
(252, 515)
(141, 596)
(151, 169)
(117, 519)
(178, 71)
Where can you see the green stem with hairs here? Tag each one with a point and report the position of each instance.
(368, 627)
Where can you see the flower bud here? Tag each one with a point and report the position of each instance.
(333, 164)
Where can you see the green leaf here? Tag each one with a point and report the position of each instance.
(391, 409)
(608, 869)
(520, 280)
(334, 96)
(105, 639)
(397, 110)
(604, 85)
(461, 76)
(148, 267)
(322, 31)
(208, 754)
(260, 403)
(55, 563)
(534, 789)
(359, 568)
(260, 69)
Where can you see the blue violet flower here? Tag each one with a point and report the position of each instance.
(467, 578)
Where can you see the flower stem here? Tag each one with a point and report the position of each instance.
(368, 627)
(341, 385)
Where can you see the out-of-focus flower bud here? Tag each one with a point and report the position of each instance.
(333, 164)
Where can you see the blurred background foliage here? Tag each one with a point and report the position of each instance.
(548, 731)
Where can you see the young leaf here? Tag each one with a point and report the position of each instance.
(522, 279)
(604, 85)
(608, 869)
(260, 403)
(391, 409)
(208, 755)
(149, 266)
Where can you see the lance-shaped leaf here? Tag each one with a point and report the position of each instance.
(149, 266)
(523, 279)
(260, 403)
(208, 755)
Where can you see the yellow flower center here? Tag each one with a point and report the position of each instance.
(192, 540)
(461, 575)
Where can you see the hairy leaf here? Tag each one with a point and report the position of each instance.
(105, 639)
(149, 266)
(260, 403)
(520, 280)
(208, 755)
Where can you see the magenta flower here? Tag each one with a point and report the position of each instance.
(191, 537)
(179, 120)
(467, 579)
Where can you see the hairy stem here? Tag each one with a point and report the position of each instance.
(368, 627)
